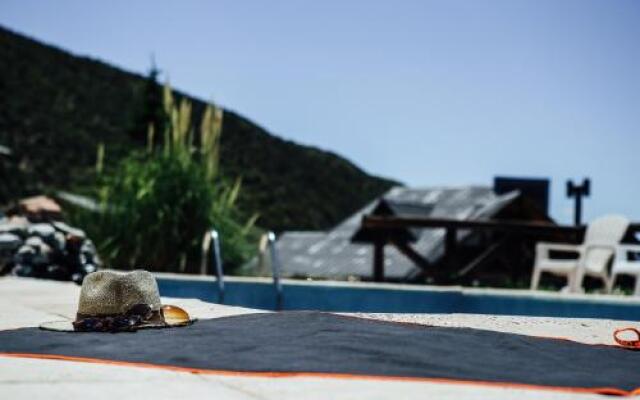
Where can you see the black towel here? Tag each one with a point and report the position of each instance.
(313, 342)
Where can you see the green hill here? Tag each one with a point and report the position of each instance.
(56, 107)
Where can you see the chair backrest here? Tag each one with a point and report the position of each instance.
(606, 231)
(602, 235)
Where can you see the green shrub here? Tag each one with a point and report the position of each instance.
(157, 204)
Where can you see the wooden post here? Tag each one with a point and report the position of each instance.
(450, 248)
(378, 261)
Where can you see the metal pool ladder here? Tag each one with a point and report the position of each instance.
(211, 241)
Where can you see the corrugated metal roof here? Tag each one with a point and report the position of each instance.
(332, 255)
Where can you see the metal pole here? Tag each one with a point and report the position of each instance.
(577, 215)
(216, 258)
(578, 191)
(275, 267)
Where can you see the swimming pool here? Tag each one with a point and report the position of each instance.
(395, 298)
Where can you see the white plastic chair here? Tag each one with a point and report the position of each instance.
(599, 245)
(624, 266)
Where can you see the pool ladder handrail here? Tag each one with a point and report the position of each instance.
(211, 241)
(275, 269)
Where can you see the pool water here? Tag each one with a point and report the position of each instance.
(260, 293)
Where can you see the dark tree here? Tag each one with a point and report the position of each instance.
(149, 109)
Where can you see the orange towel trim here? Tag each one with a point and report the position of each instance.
(256, 374)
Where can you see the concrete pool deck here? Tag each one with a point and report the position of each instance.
(28, 302)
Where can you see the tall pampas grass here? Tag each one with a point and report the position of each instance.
(157, 203)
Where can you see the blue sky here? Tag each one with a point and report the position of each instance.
(429, 93)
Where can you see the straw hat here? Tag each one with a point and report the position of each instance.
(115, 302)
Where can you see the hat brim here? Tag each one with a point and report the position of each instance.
(67, 325)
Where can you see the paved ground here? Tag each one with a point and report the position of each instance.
(28, 302)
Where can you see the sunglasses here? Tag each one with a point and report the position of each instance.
(138, 316)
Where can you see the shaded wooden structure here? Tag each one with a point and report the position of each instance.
(381, 229)
(471, 235)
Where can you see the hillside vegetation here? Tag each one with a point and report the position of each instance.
(56, 107)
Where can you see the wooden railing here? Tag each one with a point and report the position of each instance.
(389, 226)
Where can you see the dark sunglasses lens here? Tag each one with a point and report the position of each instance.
(141, 310)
